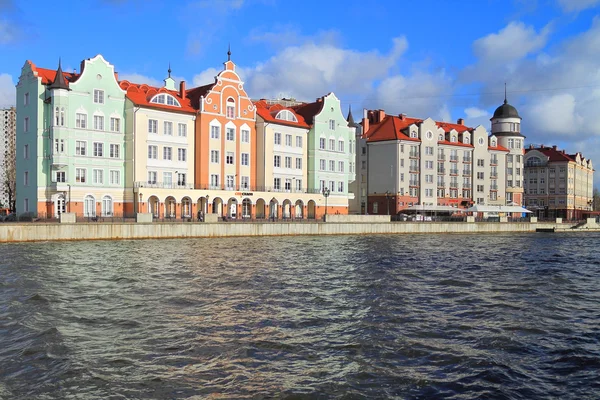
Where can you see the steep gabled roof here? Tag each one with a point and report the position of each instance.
(391, 128)
(59, 82)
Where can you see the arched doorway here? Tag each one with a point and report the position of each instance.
(89, 206)
(186, 207)
(170, 210)
(232, 208)
(59, 205)
(246, 208)
(273, 208)
(299, 210)
(286, 209)
(107, 206)
(153, 203)
(260, 211)
(312, 209)
(217, 206)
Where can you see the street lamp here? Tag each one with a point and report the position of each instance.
(387, 200)
(69, 203)
(207, 197)
(326, 192)
(140, 203)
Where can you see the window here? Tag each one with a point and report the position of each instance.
(182, 130)
(230, 134)
(322, 165)
(167, 179)
(98, 96)
(277, 161)
(332, 165)
(114, 151)
(168, 128)
(322, 143)
(511, 143)
(429, 164)
(245, 159)
(152, 177)
(115, 124)
(332, 186)
(298, 184)
(277, 183)
(363, 164)
(480, 175)
(340, 166)
(26, 178)
(230, 108)
(480, 188)
(115, 178)
(341, 146)
(26, 152)
(245, 182)
(375, 208)
(80, 175)
(81, 120)
(245, 136)
(298, 163)
(429, 178)
(152, 126)
(277, 138)
(429, 150)
(288, 184)
(340, 187)
(286, 116)
(26, 124)
(165, 99)
(26, 99)
(298, 141)
(60, 176)
(288, 140)
(98, 176)
(214, 156)
(229, 158)
(59, 146)
(153, 152)
(98, 122)
(98, 149)
(321, 185)
(480, 162)
(182, 154)
(26, 205)
(428, 192)
(332, 144)
(288, 162)
(167, 153)
(215, 132)
(181, 179)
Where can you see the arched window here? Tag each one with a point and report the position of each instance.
(533, 162)
(230, 108)
(466, 139)
(107, 206)
(453, 138)
(56, 117)
(286, 115)
(441, 137)
(164, 98)
(62, 116)
(89, 206)
(493, 143)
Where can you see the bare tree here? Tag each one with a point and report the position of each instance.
(596, 200)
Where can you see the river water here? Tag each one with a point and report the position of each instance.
(412, 317)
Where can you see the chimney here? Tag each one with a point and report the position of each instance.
(460, 121)
(554, 147)
(402, 117)
(365, 121)
(531, 146)
(182, 89)
(380, 115)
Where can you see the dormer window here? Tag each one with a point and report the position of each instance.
(286, 115)
(466, 139)
(230, 108)
(453, 138)
(493, 143)
(165, 99)
(413, 134)
(441, 137)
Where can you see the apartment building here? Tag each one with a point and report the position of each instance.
(557, 184)
(8, 129)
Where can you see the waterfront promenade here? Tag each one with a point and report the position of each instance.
(337, 225)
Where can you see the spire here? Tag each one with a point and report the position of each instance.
(229, 52)
(169, 82)
(505, 101)
(169, 70)
(59, 80)
(350, 118)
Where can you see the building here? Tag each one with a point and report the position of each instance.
(8, 127)
(331, 148)
(161, 122)
(282, 140)
(506, 126)
(557, 184)
(359, 187)
(71, 141)
(411, 161)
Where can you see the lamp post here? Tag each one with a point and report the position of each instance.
(387, 201)
(207, 197)
(140, 203)
(69, 203)
(326, 192)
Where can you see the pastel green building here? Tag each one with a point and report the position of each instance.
(71, 141)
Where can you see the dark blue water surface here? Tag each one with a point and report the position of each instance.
(443, 316)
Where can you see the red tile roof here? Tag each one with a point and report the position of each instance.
(391, 129)
(553, 154)
(268, 113)
(309, 110)
(141, 94)
(48, 75)
(498, 148)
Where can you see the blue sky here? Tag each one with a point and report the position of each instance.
(443, 59)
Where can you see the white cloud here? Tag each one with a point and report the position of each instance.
(577, 5)
(8, 91)
(476, 116)
(205, 77)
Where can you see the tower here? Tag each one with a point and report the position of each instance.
(506, 126)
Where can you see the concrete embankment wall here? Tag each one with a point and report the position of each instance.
(114, 231)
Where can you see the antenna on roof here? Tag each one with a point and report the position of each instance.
(505, 101)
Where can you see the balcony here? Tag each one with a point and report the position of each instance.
(494, 175)
(467, 160)
(453, 185)
(467, 172)
(414, 169)
(494, 161)
(60, 159)
(494, 187)
(453, 172)
(413, 154)
(413, 183)
(441, 170)
(453, 158)
(441, 184)
(466, 186)
(441, 157)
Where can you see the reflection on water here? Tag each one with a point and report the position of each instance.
(461, 316)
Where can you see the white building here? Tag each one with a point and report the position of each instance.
(8, 130)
